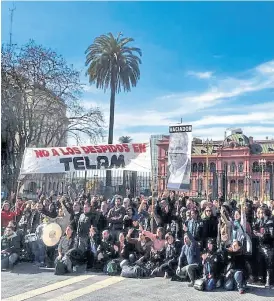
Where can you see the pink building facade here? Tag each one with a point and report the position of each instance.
(238, 166)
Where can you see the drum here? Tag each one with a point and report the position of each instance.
(50, 234)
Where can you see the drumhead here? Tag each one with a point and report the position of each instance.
(51, 234)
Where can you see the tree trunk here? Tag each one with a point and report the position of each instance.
(108, 191)
(111, 115)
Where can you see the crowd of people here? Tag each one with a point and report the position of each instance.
(211, 244)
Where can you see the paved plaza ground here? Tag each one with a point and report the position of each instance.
(27, 282)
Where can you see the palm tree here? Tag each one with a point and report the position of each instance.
(125, 139)
(114, 65)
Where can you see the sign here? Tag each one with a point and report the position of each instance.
(135, 157)
(179, 157)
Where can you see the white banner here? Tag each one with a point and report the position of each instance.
(179, 157)
(135, 157)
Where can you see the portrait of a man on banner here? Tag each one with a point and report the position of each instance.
(179, 161)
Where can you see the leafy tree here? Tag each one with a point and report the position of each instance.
(40, 105)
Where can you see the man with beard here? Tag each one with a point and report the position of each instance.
(115, 218)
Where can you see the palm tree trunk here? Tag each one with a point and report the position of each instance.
(111, 116)
(110, 136)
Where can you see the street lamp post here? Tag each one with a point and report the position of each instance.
(262, 163)
(207, 144)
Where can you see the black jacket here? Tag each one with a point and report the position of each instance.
(171, 253)
(11, 244)
(84, 223)
(209, 228)
(212, 265)
(119, 213)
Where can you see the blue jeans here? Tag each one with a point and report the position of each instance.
(38, 249)
(238, 277)
(210, 284)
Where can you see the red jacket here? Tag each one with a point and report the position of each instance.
(7, 216)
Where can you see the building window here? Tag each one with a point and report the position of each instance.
(200, 167)
(241, 186)
(255, 167)
(256, 188)
(194, 167)
(225, 166)
(233, 186)
(241, 167)
(32, 187)
(212, 167)
(233, 167)
(268, 166)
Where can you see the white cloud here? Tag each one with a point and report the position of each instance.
(256, 117)
(215, 107)
(215, 133)
(266, 68)
(200, 75)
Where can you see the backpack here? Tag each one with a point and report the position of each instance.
(60, 268)
(113, 268)
(4, 261)
(133, 272)
(199, 284)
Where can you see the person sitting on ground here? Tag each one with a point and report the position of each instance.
(191, 255)
(142, 246)
(236, 267)
(171, 258)
(106, 249)
(67, 242)
(10, 248)
(212, 265)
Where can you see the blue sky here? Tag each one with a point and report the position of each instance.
(211, 64)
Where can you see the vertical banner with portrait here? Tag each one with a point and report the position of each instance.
(179, 157)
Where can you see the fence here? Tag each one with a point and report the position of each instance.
(233, 184)
(91, 181)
